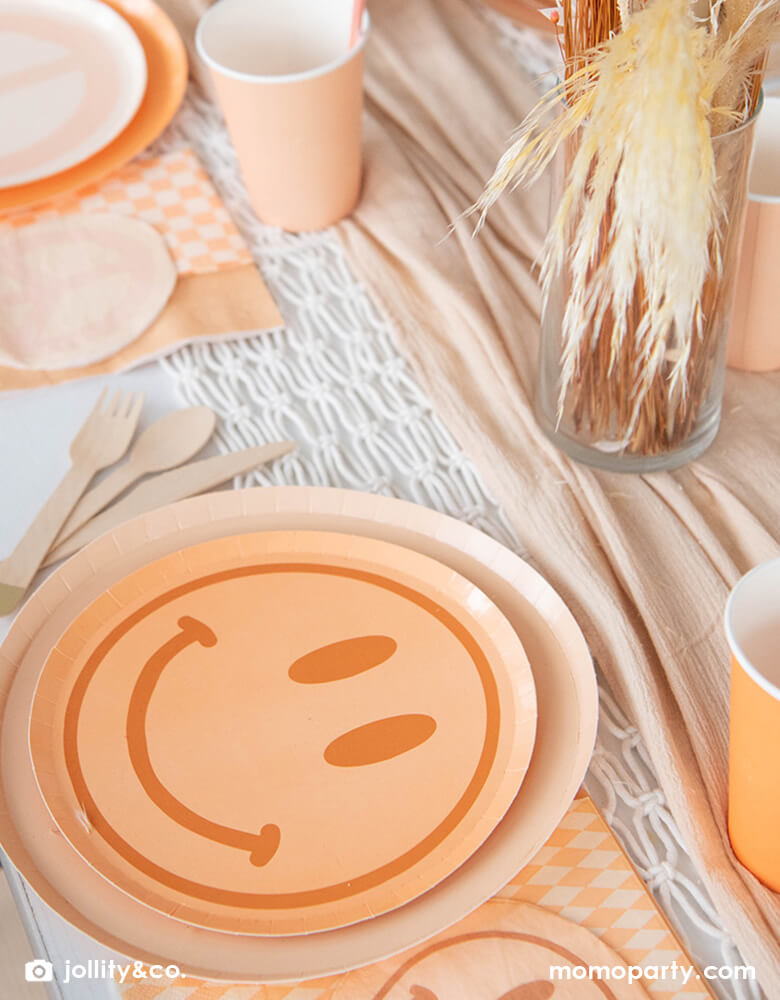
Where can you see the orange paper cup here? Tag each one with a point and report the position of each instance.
(753, 631)
(754, 336)
(291, 90)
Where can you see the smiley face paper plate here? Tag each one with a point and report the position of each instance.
(283, 732)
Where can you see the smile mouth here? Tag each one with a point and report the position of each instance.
(266, 845)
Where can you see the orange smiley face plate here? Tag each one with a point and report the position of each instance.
(283, 732)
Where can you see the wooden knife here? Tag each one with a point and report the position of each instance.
(186, 481)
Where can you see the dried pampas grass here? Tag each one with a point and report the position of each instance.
(643, 163)
(743, 33)
(638, 228)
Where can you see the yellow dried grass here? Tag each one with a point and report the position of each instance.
(640, 206)
(744, 32)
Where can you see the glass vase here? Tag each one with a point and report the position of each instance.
(596, 420)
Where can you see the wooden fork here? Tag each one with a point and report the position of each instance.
(102, 440)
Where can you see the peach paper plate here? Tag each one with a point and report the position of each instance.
(166, 65)
(283, 732)
(567, 706)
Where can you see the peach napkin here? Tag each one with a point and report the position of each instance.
(219, 291)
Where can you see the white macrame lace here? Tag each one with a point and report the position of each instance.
(333, 380)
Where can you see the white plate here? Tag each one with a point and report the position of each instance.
(567, 702)
(72, 75)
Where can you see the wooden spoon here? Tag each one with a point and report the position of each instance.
(186, 481)
(169, 442)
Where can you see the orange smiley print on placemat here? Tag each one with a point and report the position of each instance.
(283, 732)
(504, 951)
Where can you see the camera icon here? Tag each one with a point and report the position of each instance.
(38, 971)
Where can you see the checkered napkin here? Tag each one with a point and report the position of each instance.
(172, 193)
(219, 292)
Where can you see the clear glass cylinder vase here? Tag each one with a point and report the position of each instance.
(597, 420)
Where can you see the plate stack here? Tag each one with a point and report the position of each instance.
(273, 734)
(84, 87)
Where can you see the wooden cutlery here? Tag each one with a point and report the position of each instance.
(167, 443)
(186, 481)
(71, 517)
(103, 439)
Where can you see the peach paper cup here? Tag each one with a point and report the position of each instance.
(754, 335)
(753, 632)
(291, 91)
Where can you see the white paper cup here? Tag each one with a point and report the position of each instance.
(291, 90)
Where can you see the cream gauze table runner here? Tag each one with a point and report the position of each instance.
(645, 562)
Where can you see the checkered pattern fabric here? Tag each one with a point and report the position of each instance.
(172, 193)
(582, 874)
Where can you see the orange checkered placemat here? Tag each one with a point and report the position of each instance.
(173, 193)
(582, 874)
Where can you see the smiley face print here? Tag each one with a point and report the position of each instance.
(506, 950)
(283, 732)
